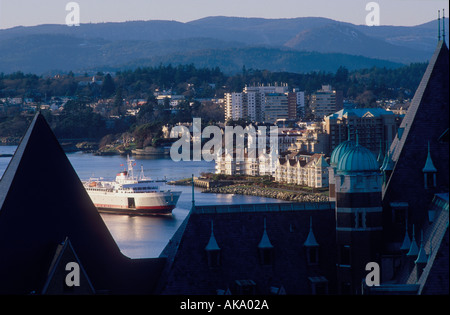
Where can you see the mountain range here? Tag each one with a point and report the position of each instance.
(294, 45)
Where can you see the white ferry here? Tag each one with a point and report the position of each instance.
(131, 195)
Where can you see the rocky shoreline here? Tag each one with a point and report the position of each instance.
(269, 193)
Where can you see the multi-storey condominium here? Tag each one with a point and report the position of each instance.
(326, 101)
(375, 127)
(233, 106)
(263, 103)
(304, 170)
(296, 104)
(276, 107)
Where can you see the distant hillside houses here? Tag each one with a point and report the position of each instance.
(93, 80)
(27, 105)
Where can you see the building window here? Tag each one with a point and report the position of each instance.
(345, 255)
(213, 258)
(319, 285)
(360, 219)
(312, 255)
(266, 256)
(430, 180)
(399, 212)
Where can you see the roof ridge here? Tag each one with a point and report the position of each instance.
(397, 143)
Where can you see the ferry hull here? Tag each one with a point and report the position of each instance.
(130, 211)
(130, 195)
(135, 204)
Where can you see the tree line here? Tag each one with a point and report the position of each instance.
(79, 120)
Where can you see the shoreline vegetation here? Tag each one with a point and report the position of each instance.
(269, 193)
(260, 186)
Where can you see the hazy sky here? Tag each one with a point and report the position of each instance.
(392, 12)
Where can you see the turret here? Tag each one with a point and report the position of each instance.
(358, 216)
(336, 155)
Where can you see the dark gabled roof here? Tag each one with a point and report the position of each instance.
(433, 255)
(435, 277)
(42, 201)
(426, 120)
(292, 162)
(239, 229)
(437, 280)
(58, 273)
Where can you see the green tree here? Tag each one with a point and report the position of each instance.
(108, 87)
(78, 121)
(146, 112)
(118, 103)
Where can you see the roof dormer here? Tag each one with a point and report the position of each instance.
(265, 248)
(311, 246)
(429, 171)
(213, 250)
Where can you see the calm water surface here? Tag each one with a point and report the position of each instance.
(142, 237)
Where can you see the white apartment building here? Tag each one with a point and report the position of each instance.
(295, 168)
(326, 101)
(262, 165)
(233, 106)
(303, 170)
(263, 103)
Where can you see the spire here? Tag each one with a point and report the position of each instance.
(265, 242)
(388, 164)
(439, 25)
(429, 166)
(311, 239)
(193, 199)
(422, 257)
(212, 244)
(385, 158)
(406, 240)
(380, 157)
(413, 249)
(443, 25)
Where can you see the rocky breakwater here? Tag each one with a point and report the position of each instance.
(269, 193)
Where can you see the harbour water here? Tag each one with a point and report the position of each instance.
(138, 236)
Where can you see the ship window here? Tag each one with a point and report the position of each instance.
(131, 203)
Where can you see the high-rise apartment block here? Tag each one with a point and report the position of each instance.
(264, 103)
(375, 127)
(326, 101)
(296, 103)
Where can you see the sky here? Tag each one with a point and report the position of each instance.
(391, 12)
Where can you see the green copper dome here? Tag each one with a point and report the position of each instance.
(358, 159)
(339, 151)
